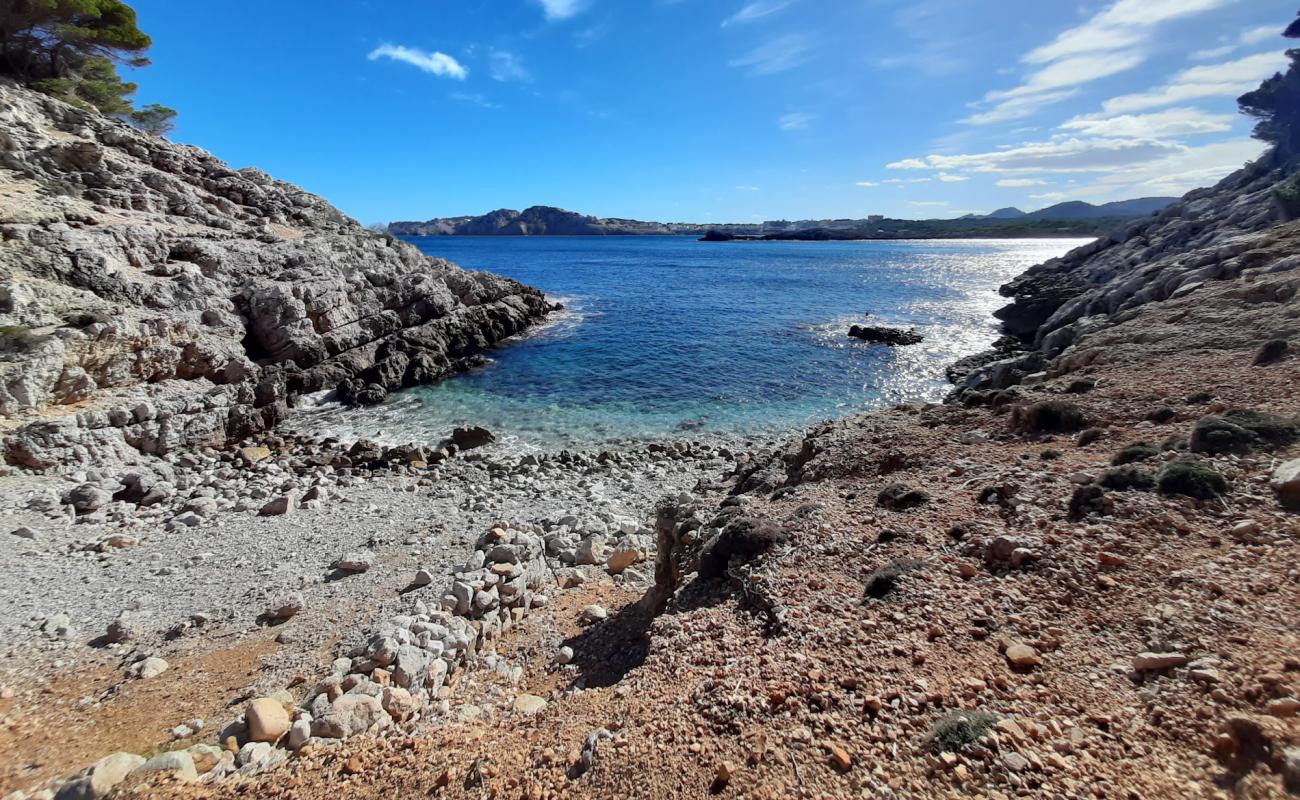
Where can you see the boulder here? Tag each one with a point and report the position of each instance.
(267, 720)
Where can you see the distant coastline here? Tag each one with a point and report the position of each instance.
(1073, 219)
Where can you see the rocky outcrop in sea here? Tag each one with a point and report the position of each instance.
(152, 297)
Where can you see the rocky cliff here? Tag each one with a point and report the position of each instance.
(152, 297)
(1230, 239)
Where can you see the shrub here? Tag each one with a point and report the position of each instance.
(1126, 479)
(1271, 352)
(885, 580)
(1088, 435)
(743, 538)
(1241, 431)
(1138, 451)
(1193, 479)
(900, 497)
(1048, 416)
(1089, 499)
(960, 729)
(1162, 415)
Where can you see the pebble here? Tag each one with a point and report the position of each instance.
(529, 704)
(150, 667)
(593, 613)
(1154, 662)
(1022, 655)
(839, 757)
(355, 562)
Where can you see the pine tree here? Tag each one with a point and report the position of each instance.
(70, 49)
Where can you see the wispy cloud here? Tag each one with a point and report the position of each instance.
(506, 66)
(1171, 122)
(795, 121)
(866, 184)
(778, 55)
(1112, 41)
(1020, 183)
(929, 203)
(1057, 155)
(1247, 38)
(563, 9)
(474, 98)
(756, 10)
(947, 177)
(433, 62)
(1227, 79)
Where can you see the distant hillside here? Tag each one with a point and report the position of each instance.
(1123, 209)
(1064, 219)
(550, 221)
(1077, 209)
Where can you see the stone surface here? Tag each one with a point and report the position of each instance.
(178, 763)
(267, 720)
(170, 300)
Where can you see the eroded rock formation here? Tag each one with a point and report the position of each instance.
(153, 297)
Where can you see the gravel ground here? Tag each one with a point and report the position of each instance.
(233, 563)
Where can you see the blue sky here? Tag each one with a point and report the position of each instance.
(716, 110)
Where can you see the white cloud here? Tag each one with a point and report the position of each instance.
(1020, 183)
(795, 121)
(1172, 175)
(929, 203)
(1227, 79)
(1247, 38)
(908, 163)
(563, 9)
(866, 184)
(1124, 24)
(1057, 155)
(506, 66)
(950, 178)
(435, 63)
(747, 189)
(778, 55)
(756, 10)
(1171, 122)
(1114, 40)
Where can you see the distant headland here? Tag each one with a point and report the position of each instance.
(1064, 219)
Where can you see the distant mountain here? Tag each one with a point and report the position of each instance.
(1063, 219)
(551, 221)
(1122, 209)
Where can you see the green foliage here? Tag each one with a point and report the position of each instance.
(1049, 416)
(1241, 431)
(1193, 479)
(154, 118)
(883, 581)
(1287, 194)
(1138, 451)
(1128, 479)
(960, 729)
(70, 49)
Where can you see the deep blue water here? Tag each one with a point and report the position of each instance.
(665, 335)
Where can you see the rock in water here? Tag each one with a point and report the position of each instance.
(887, 336)
(469, 438)
(227, 292)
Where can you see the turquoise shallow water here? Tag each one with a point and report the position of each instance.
(666, 336)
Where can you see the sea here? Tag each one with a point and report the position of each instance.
(668, 337)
